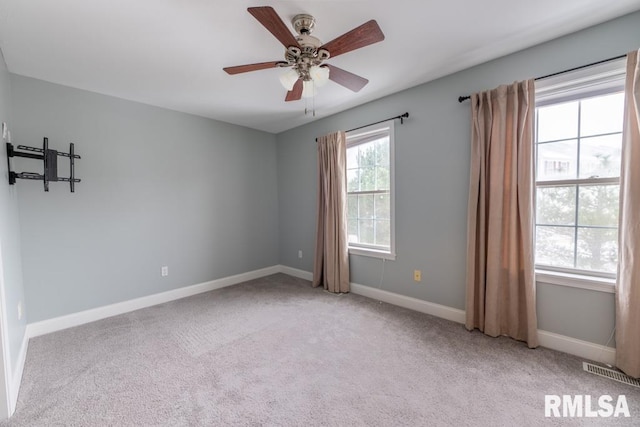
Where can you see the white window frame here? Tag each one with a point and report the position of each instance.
(360, 136)
(600, 79)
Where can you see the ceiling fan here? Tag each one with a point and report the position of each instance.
(305, 54)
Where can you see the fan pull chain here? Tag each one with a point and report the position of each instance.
(313, 102)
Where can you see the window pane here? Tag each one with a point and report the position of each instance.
(365, 206)
(368, 179)
(353, 183)
(557, 160)
(382, 233)
(554, 246)
(367, 154)
(597, 249)
(602, 114)
(352, 229)
(352, 207)
(559, 121)
(366, 231)
(556, 205)
(383, 206)
(600, 156)
(382, 178)
(382, 151)
(352, 157)
(598, 205)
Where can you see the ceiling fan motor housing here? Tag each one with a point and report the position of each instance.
(308, 55)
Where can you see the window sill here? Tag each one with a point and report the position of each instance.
(372, 253)
(600, 284)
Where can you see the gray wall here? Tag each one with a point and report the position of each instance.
(158, 188)
(10, 233)
(432, 162)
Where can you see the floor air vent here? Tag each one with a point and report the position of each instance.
(610, 373)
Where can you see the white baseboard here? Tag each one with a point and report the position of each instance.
(547, 339)
(584, 349)
(16, 375)
(295, 272)
(76, 319)
(389, 297)
(411, 303)
(416, 304)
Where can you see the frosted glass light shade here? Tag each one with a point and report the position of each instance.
(308, 89)
(289, 78)
(320, 75)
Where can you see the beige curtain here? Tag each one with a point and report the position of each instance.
(628, 286)
(331, 265)
(500, 267)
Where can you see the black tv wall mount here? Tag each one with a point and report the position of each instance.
(49, 158)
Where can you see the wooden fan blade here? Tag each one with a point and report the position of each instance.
(295, 93)
(251, 67)
(346, 79)
(268, 17)
(364, 35)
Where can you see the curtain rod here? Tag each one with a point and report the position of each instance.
(464, 98)
(401, 117)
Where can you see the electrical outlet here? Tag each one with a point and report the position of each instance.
(165, 271)
(20, 310)
(417, 275)
(299, 254)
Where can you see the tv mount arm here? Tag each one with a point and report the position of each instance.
(50, 160)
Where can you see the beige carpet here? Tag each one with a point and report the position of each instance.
(274, 351)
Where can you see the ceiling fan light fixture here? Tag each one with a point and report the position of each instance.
(289, 78)
(320, 75)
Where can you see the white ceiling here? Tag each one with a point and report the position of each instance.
(170, 53)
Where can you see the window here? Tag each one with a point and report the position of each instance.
(578, 148)
(370, 198)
